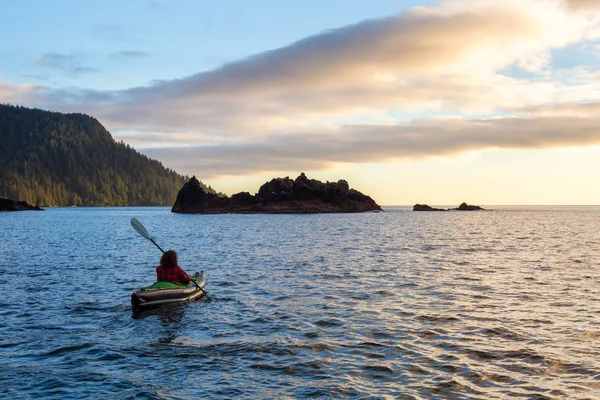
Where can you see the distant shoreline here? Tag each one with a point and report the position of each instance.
(384, 207)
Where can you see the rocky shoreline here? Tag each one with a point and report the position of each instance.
(13, 205)
(278, 196)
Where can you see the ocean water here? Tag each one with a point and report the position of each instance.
(397, 304)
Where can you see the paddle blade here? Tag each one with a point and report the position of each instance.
(137, 225)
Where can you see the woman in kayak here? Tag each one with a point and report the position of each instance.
(169, 271)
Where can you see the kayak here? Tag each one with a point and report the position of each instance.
(160, 293)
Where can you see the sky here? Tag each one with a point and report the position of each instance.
(489, 102)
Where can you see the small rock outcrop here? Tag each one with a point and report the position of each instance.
(278, 196)
(192, 199)
(462, 207)
(466, 207)
(12, 205)
(425, 207)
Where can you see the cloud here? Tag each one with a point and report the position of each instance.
(581, 110)
(16, 93)
(117, 32)
(157, 7)
(108, 29)
(301, 102)
(70, 64)
(38, 77)
(367, 66)
(580, 4)
(560, 126)
(129, 54)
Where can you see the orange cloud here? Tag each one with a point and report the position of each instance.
(580, 126)
(15, 93)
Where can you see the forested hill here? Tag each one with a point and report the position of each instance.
(55, 159)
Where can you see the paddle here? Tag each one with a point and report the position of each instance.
(137, 225)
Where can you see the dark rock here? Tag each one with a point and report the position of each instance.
(466, 207)
(193, 199)
(278, 196)
(12, 205)
(425, 207)
(242, 198)
(277, 190)
(462, 207)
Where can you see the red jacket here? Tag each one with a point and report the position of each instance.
(174, 275)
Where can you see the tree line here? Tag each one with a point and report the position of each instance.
(55, 159)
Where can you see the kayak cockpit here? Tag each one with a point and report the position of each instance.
(160, 293)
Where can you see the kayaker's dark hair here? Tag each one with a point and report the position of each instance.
(169, 259)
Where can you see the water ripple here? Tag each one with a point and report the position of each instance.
(393, 305)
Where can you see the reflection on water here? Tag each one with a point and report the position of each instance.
(169, 315)
(397, 304)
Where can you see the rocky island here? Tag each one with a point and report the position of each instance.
(462, 207)
(278, 196)
(12, 205)
(425, 207)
